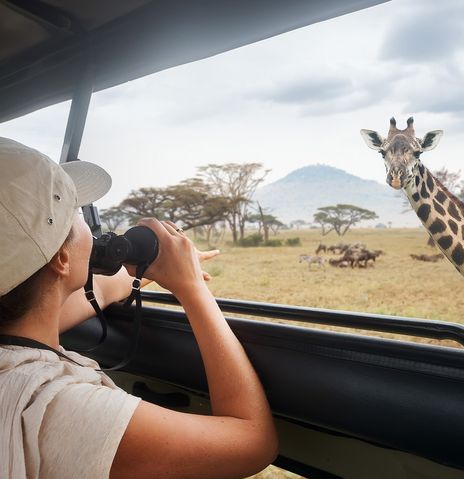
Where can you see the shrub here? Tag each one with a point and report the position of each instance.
(273, 243)
(253, 240)
(293, 241)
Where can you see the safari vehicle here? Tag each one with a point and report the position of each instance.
(346, 405)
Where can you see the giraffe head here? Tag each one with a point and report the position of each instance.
(401, 151)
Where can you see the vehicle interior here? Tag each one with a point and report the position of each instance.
(346, 405)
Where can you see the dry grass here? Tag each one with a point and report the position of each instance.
(396, 285)
(273, 472)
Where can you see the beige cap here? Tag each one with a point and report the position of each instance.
(38, 199)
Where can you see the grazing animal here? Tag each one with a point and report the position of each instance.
(338, 248)
(321, 247)
(359, 257)
(430, 258)
(319, 260)
(355, 258)
(339, 262)
(441, 213)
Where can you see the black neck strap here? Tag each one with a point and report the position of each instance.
(90, 295)
(135, 294)
(32, 343)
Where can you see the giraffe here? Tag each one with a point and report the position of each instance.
(441, 213)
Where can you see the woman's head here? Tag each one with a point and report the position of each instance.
(17, 302)
(39, 200)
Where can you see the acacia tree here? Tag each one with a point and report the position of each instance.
(145, 202)
(340, 218)
(190, 202)
(193, 203)
(236, 182)
(297, 224)
(113, 217)
(266, 222)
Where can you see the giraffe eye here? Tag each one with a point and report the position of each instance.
(417, 154)
(382, 152)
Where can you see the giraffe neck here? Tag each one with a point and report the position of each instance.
(441, 213)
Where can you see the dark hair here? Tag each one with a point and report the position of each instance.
(17, 302)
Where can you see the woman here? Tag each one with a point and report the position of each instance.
(60, 416)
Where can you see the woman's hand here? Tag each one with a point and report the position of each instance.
(202, 255)
(177, 266)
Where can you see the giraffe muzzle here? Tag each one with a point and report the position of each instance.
(394, 179)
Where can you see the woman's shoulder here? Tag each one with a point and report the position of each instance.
(31, 370)
(62, 410)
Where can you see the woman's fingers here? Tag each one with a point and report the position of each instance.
(205, 255)
(168, 229)
(173, 226)
(156, 226)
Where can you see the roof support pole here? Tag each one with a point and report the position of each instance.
(73, 135)
(78, 115)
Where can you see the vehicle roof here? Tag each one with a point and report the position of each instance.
(46, 45)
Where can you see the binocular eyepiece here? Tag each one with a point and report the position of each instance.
(138, 245)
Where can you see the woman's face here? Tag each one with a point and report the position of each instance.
(79, 249)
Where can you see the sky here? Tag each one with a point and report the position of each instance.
(293, 100)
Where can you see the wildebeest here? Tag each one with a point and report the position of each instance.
(339, 262)
(357, 255)
(429, 258)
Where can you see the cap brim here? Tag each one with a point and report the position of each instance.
(91, 181)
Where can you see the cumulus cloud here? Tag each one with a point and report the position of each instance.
(309, 89)
(345, 89)
(425, 32)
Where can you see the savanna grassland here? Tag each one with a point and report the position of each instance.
(395, 285)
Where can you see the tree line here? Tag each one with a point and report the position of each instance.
(218, 195)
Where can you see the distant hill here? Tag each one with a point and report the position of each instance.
(301, 192)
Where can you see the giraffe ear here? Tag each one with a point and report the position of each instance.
(372, 139)
(431, 140)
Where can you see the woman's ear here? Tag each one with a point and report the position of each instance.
(60, 263)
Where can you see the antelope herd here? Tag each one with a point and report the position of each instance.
(353, 255)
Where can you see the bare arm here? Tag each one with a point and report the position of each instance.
(239, 439)
(107, 290)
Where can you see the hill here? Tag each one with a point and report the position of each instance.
(301, 192)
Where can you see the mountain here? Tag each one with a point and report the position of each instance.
(301, 192)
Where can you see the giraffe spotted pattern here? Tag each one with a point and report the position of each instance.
(440, 211)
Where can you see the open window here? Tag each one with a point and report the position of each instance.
(347, 405)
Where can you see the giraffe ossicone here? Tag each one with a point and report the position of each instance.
(441, 213)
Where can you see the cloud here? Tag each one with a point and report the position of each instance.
(425, 32)
(435, 89)
(329, 94)
(309, 89)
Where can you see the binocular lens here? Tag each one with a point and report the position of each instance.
(138, 245)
